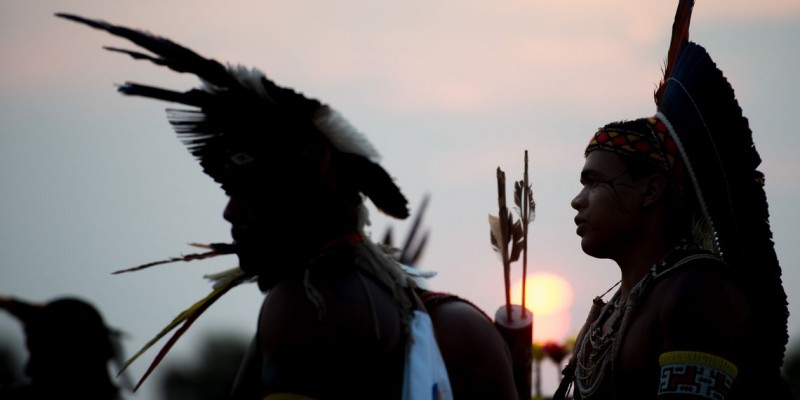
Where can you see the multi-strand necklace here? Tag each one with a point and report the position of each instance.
(596, 349)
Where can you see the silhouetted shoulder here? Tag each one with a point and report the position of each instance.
(702, 308)
(477, 359)
(349, 343)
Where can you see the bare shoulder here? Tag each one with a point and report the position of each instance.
(348, 303)
(477, 359)
(460, 323)
(703, 309)
(349, 343)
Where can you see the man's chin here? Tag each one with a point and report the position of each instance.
(593, 250)
(250, 264)
(270, 269)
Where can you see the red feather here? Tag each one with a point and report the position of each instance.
(680, 35)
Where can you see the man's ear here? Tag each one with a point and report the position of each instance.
(655, 186)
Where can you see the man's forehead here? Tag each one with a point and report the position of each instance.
(602, 162)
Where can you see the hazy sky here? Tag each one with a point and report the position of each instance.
(447, 90)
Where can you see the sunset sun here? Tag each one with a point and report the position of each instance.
(549, 297)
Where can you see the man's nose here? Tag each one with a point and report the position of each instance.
(229, 214)
(577, 201)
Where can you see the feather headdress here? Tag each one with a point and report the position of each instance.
(245, 129)
(700, 110)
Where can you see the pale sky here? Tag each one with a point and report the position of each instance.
(446, 90)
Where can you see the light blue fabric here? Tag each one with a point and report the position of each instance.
(425, 375)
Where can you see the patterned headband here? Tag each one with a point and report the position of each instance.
(646, 139)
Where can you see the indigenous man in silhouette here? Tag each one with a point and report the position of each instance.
(676, 201)
(341, 319)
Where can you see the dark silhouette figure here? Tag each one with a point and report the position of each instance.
(69, 350)
(341, 319)
(677, 202)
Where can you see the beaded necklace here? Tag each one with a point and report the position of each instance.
(595, 350)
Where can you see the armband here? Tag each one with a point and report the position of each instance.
(696, 373)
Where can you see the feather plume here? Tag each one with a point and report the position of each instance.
(217, 249)
(241, 112)
(187, 317)
(526, 210)
(375, 183)
(412, 248)
(680, 36)
(509, 238)
(496, 234)
(173, 56)
(343, 135)
(501, 228)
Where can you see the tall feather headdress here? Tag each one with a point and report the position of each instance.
(698, 105)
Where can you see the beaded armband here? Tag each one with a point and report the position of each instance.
(695, 373)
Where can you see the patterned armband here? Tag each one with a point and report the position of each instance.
(696, 373)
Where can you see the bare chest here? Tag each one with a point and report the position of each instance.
(641, 344)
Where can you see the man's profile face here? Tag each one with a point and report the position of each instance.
(247, 214)
(608, 205)
(275, 221)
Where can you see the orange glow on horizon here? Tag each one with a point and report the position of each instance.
(549, 297)
(546, 293)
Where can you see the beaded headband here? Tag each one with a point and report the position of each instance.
(646, 139)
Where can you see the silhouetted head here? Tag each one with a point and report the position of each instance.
(66, 338)
(647, 151)
(67, 334)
